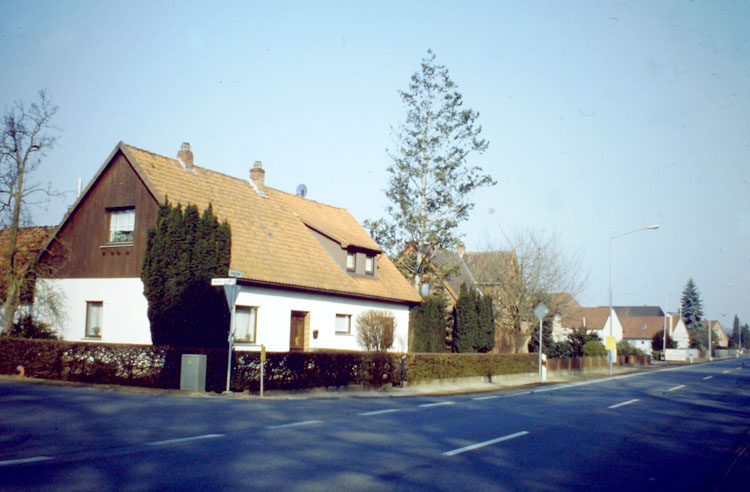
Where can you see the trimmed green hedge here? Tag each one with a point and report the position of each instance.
(159, 367)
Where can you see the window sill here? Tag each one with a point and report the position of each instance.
(244, 342)
(117, 245)
(92, 338)
(343, 334)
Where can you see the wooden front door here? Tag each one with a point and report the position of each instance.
(297, 331)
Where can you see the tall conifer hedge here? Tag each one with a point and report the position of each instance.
(185, 249)
(474, 322)
(427, 324)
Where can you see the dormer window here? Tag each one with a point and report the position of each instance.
(121, 225)
(351, 264)
(369, 265)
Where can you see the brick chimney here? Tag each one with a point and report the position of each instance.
(186, 155)
(258, 174)
(460, 250)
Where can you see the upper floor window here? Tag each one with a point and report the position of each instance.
(350, 263)
(121, 225)
(369, 264)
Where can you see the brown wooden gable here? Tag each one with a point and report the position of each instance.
(83, 238)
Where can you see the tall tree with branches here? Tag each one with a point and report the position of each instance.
(430, 177)
(27, 136)
(534, 269)
(692, 314)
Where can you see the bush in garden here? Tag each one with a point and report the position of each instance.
(375, 330)
(593, 348)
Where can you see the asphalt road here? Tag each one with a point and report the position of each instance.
(677, 429)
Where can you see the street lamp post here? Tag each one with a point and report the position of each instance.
(610, 353)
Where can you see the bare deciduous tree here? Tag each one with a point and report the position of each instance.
(375, 330)
(27, 136)
(537, 269)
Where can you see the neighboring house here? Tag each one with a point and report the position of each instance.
(639, 331)
(595, 319)
(720, 337)
(307, 269)
(488, 272)
(679, 331)
(29, 243)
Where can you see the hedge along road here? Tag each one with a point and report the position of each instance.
(674, 429)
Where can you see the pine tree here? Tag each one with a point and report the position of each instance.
(184, 251)
(692, 313)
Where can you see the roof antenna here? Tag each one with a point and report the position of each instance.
(302, 190)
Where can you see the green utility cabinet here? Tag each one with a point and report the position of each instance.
(193, 372)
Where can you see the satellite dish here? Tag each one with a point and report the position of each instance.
(302, 190)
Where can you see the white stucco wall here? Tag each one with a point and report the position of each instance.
(616, 328)
(124, 317)
(641, 343)
(125, 320)
(275, 308)
(680, 335)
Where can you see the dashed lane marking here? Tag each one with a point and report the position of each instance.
(294, 424)
(22, 461)
(676, 388)
(184, 439)
(618, 405)
(484, 444)
(438, 404)
(379, 412)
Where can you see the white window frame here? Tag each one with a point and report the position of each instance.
(369, 264)
(93, 327)
(122, 225)
(348, 318)
(351, 261)
(251, 330)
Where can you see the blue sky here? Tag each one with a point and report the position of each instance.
(602, 117)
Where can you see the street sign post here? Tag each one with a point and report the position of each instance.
(540, 311)
(231, 290)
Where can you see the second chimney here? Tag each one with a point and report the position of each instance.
(186, 155)
(258, 174)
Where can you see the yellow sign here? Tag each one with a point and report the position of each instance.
(610, 343)
(262, 353)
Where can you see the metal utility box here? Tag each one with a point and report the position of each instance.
(193, 372)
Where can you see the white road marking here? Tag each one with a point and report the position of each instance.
(438, 404)
(294, 424)
(623, 403)
(379, 412)
(184, 439)
(484, 444)
(676, 388)
(22, 461)
(480, 398)
(707, 378)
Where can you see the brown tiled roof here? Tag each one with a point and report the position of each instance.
(592, 318)
(641, 326)
(271, 243)
(29, 242)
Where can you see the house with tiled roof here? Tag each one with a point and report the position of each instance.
(720, 337)
(306, 269)
(29, 243)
